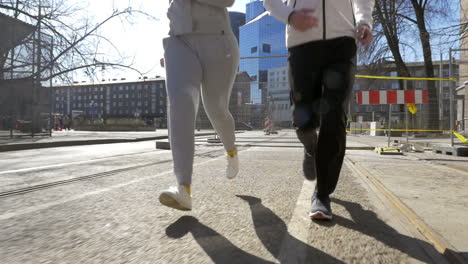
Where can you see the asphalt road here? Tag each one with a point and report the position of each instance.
(98, 204)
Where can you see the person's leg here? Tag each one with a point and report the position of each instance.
(220, 59)
(338, 80)
(305, 77)
(183, 79)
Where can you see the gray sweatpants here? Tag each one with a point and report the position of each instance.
(194, 64)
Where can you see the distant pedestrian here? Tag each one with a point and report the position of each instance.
(56, 122)
(201, 56)
(66, 122)
(60, 123)
(321, 40)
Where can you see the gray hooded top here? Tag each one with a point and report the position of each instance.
(199, 17)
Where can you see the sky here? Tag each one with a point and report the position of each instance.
(140, 39)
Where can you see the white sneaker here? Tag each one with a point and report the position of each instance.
(232, 166)
(177, 198)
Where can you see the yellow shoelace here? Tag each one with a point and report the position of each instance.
(232, 153)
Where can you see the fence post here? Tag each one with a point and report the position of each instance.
(12, 125)
(389, 123)
(452, 120)
(405, 83)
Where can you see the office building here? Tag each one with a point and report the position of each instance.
(261, 38)
(145, 98)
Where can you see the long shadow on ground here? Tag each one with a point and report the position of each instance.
(367, 222)
(272, 231)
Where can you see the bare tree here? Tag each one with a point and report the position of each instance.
(394, 18)
(423, 11)
(389, 25)
(63, 40)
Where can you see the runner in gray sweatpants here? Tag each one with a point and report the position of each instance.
(201, 58)
(193, 60)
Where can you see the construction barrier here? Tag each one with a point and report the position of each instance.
(385, 97)
(267, 126)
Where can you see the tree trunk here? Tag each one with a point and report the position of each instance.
(386, 14)
(389, 26)
(433, 115)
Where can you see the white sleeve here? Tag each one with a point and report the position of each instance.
(218, 3)
(278, 9)
(363, 11)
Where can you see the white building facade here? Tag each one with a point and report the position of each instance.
(278, 97)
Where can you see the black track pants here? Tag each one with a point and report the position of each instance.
(321, 75)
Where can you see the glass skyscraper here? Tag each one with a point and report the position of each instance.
(261, 36)
(237, 20)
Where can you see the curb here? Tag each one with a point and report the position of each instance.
(431, 236)
(41, 145)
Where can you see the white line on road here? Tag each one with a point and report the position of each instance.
(75, 162)
(292, 252)
(84, 195)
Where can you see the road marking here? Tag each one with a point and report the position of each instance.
(298, 226)
(76, 162)
(84, 195)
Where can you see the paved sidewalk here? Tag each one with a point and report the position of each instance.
(434, 186)
(382, 141)
(74, 138)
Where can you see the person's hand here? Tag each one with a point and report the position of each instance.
(365, 35)
(303, 20)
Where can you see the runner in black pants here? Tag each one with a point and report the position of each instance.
(321, 39)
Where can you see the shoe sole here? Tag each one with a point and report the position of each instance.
(168, 201)
(320, 216)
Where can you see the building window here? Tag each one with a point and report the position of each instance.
(254, 78)
(267, 48)
(254, 50)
